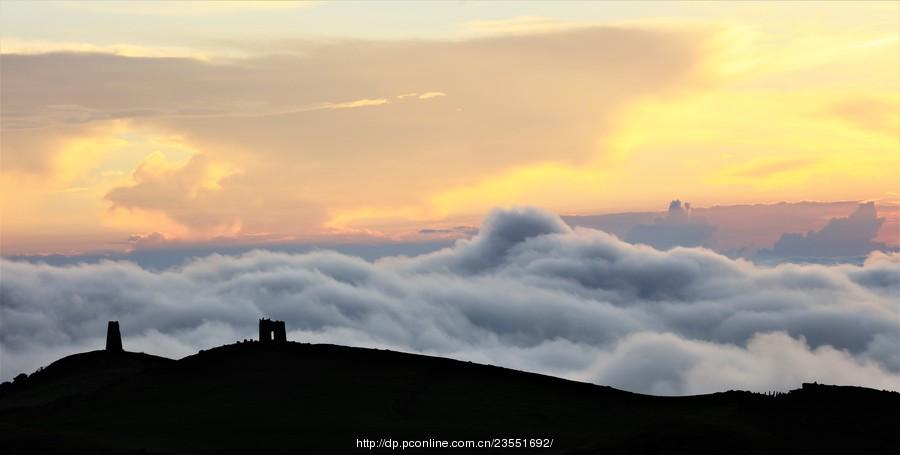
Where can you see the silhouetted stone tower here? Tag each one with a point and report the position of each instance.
(271, 331)
(113, 337)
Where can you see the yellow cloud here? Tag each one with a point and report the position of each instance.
(429, 95)
(741, 107)
(178, 192)
(521, 25)
(186, 8)
(66, 197)
(878, 114)
(80, 155)
(542, 184)
(13, 45)
(133, 220)
(762, 144)
(755, 134)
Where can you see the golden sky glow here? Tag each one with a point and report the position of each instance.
(432, 115)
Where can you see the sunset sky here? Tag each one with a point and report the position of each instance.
(333, 122)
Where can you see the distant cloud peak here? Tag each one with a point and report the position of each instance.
(850, 236)
(677, 228)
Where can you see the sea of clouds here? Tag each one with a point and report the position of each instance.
(527, 292)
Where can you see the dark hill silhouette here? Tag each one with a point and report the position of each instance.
(78, 374)
(300, 398)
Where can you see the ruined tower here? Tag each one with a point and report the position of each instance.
(272, 331)
(113, 337)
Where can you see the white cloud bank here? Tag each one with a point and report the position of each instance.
(527, 292)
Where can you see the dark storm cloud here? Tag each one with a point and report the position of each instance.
(527, 292)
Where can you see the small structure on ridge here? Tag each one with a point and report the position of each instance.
(272, 331)
(113, 337)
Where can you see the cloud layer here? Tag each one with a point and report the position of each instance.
(853, 235)
(834, 229)
(527, 292)
(677, 228)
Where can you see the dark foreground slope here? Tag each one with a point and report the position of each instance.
(301, 398)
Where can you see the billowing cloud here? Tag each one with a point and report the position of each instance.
(850, 236)
(666, 364)
(526, 292)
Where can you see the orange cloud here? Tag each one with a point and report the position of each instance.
(188, 193)
(574, 118)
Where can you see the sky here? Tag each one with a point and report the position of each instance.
(330, 122)
(666, 197)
